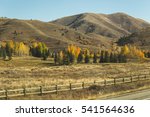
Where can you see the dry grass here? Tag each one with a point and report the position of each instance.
(30, 71)
(94, 92)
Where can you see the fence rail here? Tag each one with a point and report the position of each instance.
(71, 86)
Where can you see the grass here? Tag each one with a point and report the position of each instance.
(29, 72)
(93, 92)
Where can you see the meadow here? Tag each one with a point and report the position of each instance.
(30, 71)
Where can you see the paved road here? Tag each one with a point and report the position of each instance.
(138, 95)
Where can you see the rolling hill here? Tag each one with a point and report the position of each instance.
(140, 38)
(113, 25)
(86, 30)
(54, 35)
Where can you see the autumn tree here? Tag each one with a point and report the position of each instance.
(73, 53)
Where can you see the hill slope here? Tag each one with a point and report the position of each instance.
(56, 36)
(140, 38)
(113, 25)
(87, 30)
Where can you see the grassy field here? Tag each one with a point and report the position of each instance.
(29, 72)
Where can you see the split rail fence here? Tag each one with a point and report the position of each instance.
(7, 93)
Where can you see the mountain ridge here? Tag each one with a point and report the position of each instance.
(88, 30)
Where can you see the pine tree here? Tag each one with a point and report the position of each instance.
(87, 56)
(115, 58)
(87, 59)
(66, 60)
(106, 57)
(111, 57)
(4, 53)
(101, 57)
(55, 58)
(80, 58)
(120, 58)
(95, 58)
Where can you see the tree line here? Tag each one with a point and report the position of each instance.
(74, 54)
(11, 48)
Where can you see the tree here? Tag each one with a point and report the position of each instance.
(23, 49)
(66, 60)
(95, 58)
(45, 51)
(87, 56)
(106, 57)
(60, 57)
(125, 50)
(3, 53)
(73, 52)
(115, 58)
(55, 58)
(80, 58)
(111, 57)
(9, 50)
(87, 59)
(101, 57)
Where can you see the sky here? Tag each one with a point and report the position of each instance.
(47, 10)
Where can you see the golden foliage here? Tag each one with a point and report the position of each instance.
(132, 51)
(74, 50)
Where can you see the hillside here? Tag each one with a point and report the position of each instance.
(87, 30)
(56, 36)
(113, 25)
(140, 38)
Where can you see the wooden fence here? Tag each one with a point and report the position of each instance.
(5, 94)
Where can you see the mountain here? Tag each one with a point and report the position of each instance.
(88, 30)
(54, 35)
(140, 38)
(113, 25)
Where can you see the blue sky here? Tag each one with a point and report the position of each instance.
(47, 10)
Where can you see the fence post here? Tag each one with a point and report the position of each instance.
(56, 88)
(41, 90)
(70, 86)
(83, 85)
(114, 81)
(6, 94)
(104, 82)
(123, 80)
(24, 91)
(94, 82)
(131, 78)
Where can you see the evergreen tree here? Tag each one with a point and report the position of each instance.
(80, 58)
(120, 58)
(106, 57)
(115, 60)
(101, 57)
(95, 58)
(55, 58)
(66, 60)
(111, 57)
(4, 53)
(124, 58)
(87, 59)
(71, 57)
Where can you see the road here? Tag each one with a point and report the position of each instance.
(138, 95)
